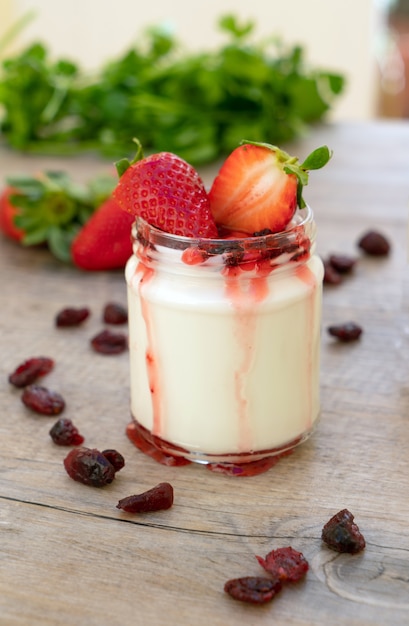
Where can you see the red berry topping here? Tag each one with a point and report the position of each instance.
(166, 192)
(259, 187)
(64, 433)
(26, 373)
(285, 564)
(253, 589)
(89, 466)
(341, 534)
(252, 191)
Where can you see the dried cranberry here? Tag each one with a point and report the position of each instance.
(342, 263)
(26, 373)
(107, 342)
(254, 589)
(285, 564)
(341, 534)
(349, 331)
(115, 314)
(331, 275)
(89, 466)
(71, 316)
(156, 499)
(115, 458)
(43, 400)
(64, 433)
(374, 243)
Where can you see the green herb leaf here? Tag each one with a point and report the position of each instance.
(198, 105)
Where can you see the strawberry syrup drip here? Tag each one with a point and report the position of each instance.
(245, 331)
(151, 446)
(151, 356)
(252, 468)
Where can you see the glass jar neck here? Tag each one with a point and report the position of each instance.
(275, 250)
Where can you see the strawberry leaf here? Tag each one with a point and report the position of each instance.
(317, 159)
(36, 236)
(52, 207)
(123, 164)
(59, 242)
(25, 186)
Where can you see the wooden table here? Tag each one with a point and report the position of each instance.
(68, 556)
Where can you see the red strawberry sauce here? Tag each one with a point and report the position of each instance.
(245, 328)
(167, 454)
(151, 357)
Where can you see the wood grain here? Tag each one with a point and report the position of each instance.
(68, 556)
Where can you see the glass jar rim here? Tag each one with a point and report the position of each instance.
(147, 234)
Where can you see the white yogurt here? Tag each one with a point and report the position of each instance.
(225, 362)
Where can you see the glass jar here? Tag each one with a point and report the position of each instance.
(224, 341)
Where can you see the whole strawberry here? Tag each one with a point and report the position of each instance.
(104, 243)
(8, 212)
(259, 187)
(167, 192)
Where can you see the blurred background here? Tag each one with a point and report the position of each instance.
(366, 40)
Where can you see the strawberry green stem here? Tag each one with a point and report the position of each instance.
(123, 164)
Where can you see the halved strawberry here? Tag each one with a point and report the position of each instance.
(259, 187)
(167, 192)
(104, 243)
